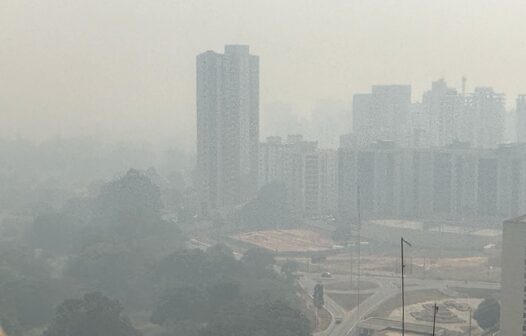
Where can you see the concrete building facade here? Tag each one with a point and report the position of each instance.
(520, 113)
(383, 115)
(513, 286)
(442, 108)
(227, 126)
(309, 173)
(482, 123)
(449, 183)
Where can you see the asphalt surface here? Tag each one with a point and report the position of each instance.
(388, 288)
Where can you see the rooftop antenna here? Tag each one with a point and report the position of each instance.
(402, 243)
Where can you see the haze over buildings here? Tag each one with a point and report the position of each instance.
(125, 69)
(265, 167)
(227, 126)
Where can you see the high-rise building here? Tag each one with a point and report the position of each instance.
(520, 111)
(348, 140)
(453, 182)
(319, 190)
(227, 126)
(384, 115)
(513, 286)
(308, 173)
(361, 119)
(442, 107)
(484, 118)
(272, 156)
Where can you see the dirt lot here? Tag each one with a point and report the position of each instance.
(472, 268)
(287, 240)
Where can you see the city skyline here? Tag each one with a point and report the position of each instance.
(262, 167)
(138, 76)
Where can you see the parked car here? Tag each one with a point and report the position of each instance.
(326, 275)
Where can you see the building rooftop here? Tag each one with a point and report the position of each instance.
(520, 219)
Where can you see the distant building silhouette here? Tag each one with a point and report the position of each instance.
(520, 110)
(483, 120)
(309, 174)
(384, 114)
(227, 126)
(442, 108)
(443, 117)
(454, 182)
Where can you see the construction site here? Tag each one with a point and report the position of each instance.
(456, 269)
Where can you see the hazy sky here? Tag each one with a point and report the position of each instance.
(126, 68)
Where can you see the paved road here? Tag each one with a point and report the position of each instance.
(388, 288)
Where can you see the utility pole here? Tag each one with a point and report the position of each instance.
(402, 243)
(470, 320)
(435, 311)
(359, 247)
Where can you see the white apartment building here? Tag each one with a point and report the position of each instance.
(513, 295)
(227, 126)
(309, 173)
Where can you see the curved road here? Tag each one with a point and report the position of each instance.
(388, 287)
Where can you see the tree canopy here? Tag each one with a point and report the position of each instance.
(269, 319)
(129, 205)
(269, 209)
(93, 314)
(487, 314)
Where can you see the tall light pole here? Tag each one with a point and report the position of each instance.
(359, 248)
(435, 311)
(402, 243)
(470, 320)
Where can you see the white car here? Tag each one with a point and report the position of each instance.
(326, 275)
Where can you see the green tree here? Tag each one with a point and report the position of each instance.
(487, 313)
(181, 304)
(290, 267)
(277, 319)
(223, 293)
(28, 293)
(317, 296)
(93, 314)
(192, 304)
(53, 232)
(115, 269)
(199, 268)
(269, 209)
(258, 258)
(129, 206)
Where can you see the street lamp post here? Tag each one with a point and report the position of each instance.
(435, 311)
(402, 243)
(470, 320)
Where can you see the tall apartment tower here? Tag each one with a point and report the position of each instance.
(513, 303)
(485, 111)
(384, 114)
(521, 118)
(443, 107)
(227, 126)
